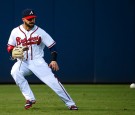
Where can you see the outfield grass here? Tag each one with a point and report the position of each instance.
(91, 100)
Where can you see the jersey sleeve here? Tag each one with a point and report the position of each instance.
(12, 40)
(47, 40)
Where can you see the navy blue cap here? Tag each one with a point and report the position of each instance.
(28, 13)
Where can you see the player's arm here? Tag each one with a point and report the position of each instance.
(11, 42)
(53, 63)
(53, 53)
(10, 48)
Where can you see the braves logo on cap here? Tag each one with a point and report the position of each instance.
(31, 13)
(28, 13)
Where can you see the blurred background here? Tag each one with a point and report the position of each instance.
(95, 38)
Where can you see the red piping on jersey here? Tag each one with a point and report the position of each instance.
(52, 45)
(31, 44)
(26, 41)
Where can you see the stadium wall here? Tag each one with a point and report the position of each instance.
(95, 38)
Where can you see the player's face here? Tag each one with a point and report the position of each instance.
(29, 22)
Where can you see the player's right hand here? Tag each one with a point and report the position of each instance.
(54, 65)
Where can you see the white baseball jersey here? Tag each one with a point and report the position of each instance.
(36, 39)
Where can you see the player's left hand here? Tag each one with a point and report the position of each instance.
(54, 65)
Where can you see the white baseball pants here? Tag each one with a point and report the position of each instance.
(40, 68)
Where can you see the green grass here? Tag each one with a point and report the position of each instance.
(91, 100)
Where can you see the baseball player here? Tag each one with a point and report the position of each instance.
(31, 41)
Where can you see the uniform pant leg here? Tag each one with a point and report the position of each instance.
(18, 76)
(44, 73)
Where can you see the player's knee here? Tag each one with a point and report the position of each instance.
(19, 78)
(15, 72)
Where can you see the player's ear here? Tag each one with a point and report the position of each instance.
(23, 19)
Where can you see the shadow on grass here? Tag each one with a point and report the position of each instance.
(47, 108)
(50, 109)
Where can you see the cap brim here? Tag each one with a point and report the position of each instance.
(29, 17)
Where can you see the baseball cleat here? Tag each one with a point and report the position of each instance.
(73, 107)
(29, 104)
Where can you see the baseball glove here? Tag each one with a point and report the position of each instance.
(18, 51)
